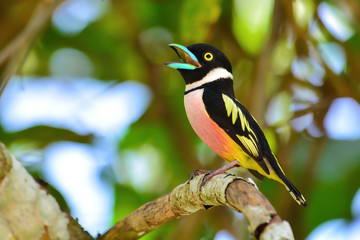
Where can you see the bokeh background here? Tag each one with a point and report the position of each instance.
(90, 110)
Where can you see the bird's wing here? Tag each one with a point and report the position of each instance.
(238, 123)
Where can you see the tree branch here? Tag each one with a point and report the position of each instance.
(13, 55)
(223, 189)
(27, 211)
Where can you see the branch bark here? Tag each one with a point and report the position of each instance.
(27, 211)
(236, 193)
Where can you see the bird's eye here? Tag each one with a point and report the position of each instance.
(208, 56)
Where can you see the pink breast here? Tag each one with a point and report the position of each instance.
(208, 131)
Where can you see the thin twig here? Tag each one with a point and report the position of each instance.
(12, 56)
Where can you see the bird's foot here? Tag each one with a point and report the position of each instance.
(206, 178)
(197, 172)
(211, 174)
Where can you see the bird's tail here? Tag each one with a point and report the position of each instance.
(298, 197)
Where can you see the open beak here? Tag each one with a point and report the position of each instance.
(190, 62)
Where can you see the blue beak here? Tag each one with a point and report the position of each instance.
(190, 61)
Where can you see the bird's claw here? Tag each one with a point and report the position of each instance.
(204, 180)
(197, 172)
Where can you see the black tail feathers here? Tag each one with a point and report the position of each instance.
(298, 197)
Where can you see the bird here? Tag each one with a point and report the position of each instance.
(221, 121)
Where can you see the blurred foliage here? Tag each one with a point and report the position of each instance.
(289, 60)
(41, 136)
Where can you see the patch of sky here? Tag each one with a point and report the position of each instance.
(83, 105)
(340, 229)
(333, 55)
(223, 235)
(336, 21)
(342, 120)
(73, 169)
(308, 69)
(73, 16)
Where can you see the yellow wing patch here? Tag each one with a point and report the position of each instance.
(249, 144)
(231, 108)
(235, 112)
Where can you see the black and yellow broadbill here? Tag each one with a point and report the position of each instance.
(221, 121)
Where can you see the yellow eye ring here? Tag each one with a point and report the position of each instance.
(208, 56)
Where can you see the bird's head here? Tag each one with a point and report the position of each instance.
(198, 60)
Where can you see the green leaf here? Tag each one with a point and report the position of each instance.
(282, 58)
(303, 11)
(271, 137)
(251, 23)
(196, 19)
(279, 111)
(156, 135)
(43, 135)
